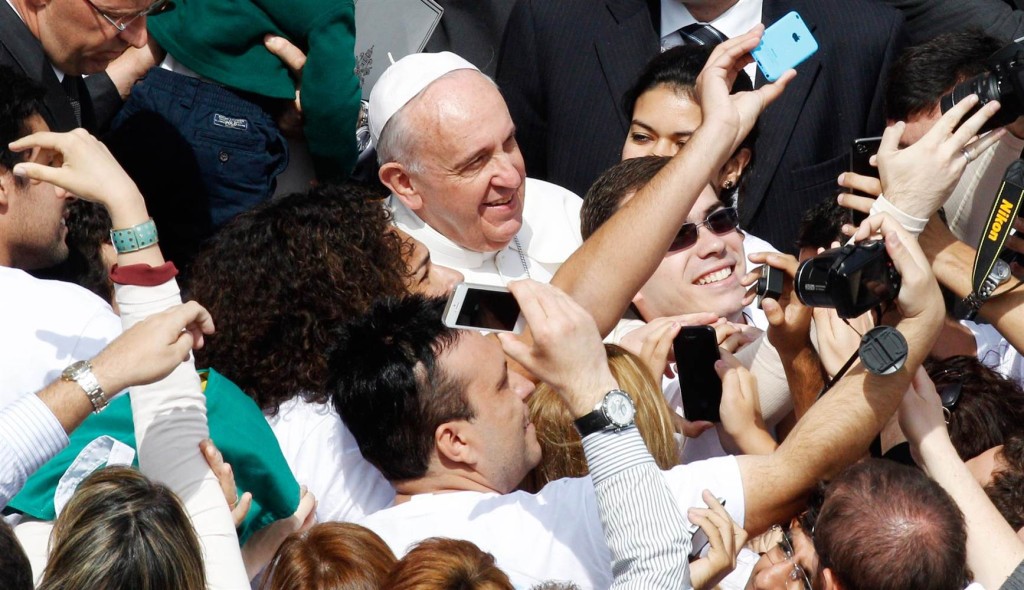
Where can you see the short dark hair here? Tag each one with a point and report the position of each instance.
(924, 72)
(1007, 488)
(20, 98)
(607, 193)
(886, 526)
(822, 224)
(15, 570)
(279, 276)
(386, 383)
(990, 407)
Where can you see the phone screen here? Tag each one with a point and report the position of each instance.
(488, 310)
(696, 350)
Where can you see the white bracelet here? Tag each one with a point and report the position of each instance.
(914, 225)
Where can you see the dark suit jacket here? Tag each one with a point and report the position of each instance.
(472, 29)
(20, 50)
(565, 66)
(929, 18)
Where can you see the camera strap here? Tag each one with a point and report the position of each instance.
(1005, 208)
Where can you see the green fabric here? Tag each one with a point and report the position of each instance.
(237, 427)
(223, 40)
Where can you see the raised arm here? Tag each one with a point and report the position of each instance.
(611, 266)
(838, 429)
(993, 548)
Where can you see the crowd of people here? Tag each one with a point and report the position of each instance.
(209, 380)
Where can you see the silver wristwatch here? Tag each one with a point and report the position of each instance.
(968, 307)
(81, 373)
(615, 412)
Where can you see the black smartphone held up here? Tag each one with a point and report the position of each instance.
(483, 307)
(696, 350)
(861, 151)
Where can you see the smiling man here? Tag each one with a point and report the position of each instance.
(448, 152)
(55, 42)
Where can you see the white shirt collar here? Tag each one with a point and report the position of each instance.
(442, 250)
(733, 22)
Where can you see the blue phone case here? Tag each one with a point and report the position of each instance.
(784, 45)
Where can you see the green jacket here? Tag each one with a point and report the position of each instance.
(223, 40)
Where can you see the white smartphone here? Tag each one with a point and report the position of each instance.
(483, 307)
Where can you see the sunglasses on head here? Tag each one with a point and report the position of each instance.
(720, 222)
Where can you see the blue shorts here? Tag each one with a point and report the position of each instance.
(238, 147)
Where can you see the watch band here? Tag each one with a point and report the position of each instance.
(968, 307)
(600, 419)
(81, 373)
(134, 238)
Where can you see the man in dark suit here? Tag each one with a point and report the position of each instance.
(56, 42)
(927, 19)
(566, 65)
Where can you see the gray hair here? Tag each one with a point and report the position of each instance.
(397, 137)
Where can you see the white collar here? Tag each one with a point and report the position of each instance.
(739, 19)
(442, 250)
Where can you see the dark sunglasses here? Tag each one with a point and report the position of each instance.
(720, 222)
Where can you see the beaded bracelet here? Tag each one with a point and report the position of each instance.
(134, 238)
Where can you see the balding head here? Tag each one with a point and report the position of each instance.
(887, 526)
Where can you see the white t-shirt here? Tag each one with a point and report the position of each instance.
(549, 235)
(324, 457)
(44, 327)
(996, 353)
(554, 534)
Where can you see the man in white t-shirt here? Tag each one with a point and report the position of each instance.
(47, 325)
(448, 152)
(442, 417)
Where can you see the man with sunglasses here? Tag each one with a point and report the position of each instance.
(56, 42)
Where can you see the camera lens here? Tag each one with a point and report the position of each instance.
(812, 280)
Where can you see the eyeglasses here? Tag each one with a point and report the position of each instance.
(950, 392)
(786, 547)
(720, 222)
(123, 22)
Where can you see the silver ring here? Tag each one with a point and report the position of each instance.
(967, 155)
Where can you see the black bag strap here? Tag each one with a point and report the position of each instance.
(1000, 221)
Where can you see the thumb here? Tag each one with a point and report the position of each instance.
(34, 171)
(773, 311)
(516, 348)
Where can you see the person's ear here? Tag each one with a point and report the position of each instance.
(453, 443)
(397, 178)
(7, 187)
(829, 581)
(730, 174)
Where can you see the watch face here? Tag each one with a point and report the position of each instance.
(1000, 271)
(619, 408)
(74, 370)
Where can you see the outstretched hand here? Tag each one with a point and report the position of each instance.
(566, 352)
(151, 349)
(735, 114)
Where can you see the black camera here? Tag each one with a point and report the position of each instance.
(852, 279)
(1003, 82)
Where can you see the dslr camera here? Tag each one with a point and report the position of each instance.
(1004, 81)
(852, 279)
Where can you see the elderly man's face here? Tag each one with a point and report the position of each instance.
(79, 40)
(468, 175)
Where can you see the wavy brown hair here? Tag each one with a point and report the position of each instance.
(278, 277)
(330, 556)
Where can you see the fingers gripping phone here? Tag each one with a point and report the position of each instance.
(861, 151)
(784, 45)
(483, 307)
(696, 350)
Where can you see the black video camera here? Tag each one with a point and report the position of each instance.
(852, 279)
(1003, 82)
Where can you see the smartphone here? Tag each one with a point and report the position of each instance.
(483, 307)
(861, 151)
(784, 45)
(698, 538)
(696, 350)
